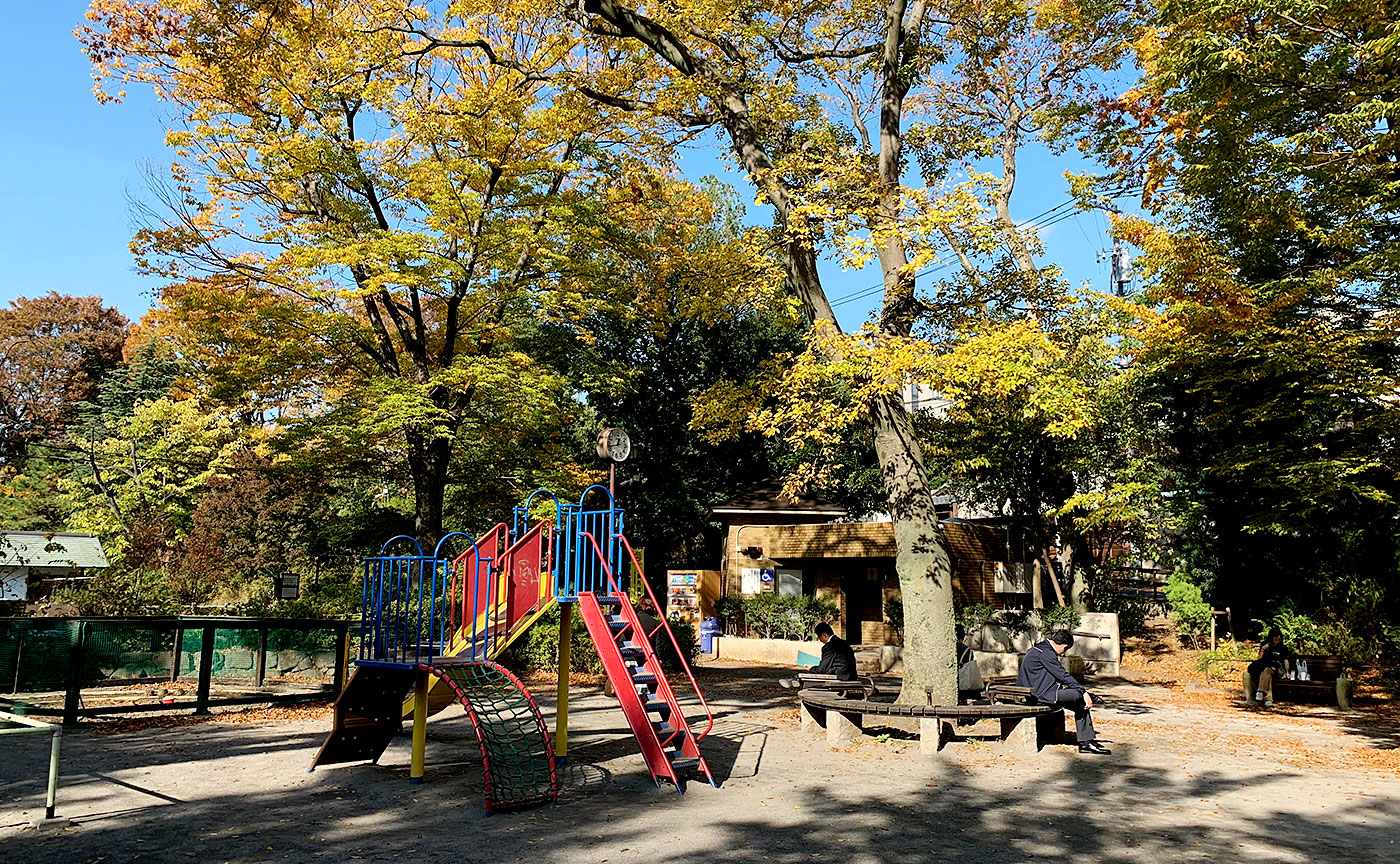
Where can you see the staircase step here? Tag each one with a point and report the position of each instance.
(658, 706)
(609, 601)
(629, 651)
(646, 679)
(681, 762)
(617, 626)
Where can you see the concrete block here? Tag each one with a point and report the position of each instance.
(842, 727)
(1019, 735)
(813, 719)
(931, 736)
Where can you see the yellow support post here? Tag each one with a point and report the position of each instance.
(420, 727)
(561, 704)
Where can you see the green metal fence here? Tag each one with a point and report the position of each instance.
(77, 654)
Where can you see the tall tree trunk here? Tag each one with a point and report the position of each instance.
(921, 558)
(428, 460)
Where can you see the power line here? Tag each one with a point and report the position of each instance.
(1051, 216)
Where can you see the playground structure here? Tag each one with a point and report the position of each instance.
(432, 627)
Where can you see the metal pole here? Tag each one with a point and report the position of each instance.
(19, 657)
(53, 771)
(561, 707)
(342, 660)
(420, 727)
(178, 652)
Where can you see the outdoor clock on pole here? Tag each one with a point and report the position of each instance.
(614, 446)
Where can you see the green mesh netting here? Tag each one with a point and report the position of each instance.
(37, 654)
(515, 743)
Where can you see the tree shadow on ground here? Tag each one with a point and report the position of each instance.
(1101, 811)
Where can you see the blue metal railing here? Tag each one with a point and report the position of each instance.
(413, 605)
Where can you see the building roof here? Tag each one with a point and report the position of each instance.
(768, 497)
(46, 549)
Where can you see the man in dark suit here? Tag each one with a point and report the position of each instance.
(837, 657)
(1045, 675)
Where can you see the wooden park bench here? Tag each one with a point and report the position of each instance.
(1328, 681)
(863, 684)
(1022, 729)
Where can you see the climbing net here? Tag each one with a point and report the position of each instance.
(517, 755)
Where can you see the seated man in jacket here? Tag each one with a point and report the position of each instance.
(1045, 675)
(837, 658)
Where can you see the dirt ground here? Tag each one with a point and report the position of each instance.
(1194, 776)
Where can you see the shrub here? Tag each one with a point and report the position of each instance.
(537, 649)
(776, 616)
(1227, 650)
(1132, 612)
(1054, 618)
(729, 610)
(1306, 634)
(686, 637)
(974, 615)
(894, 614)
(1189, 610)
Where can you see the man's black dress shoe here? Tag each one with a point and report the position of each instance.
(1095, 748)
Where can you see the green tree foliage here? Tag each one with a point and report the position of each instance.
(1268, 140)
(363, 238)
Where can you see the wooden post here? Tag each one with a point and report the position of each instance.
(420, 727)
(561, 705)
(260, 665)
(179, 654)
(72, 696)
(1213, 613)
(206, 670)
(342, 660)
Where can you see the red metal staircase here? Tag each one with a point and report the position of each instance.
(670, 747)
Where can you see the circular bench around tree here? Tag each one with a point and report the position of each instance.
(1023, 729)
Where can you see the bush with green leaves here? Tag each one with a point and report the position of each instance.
(974, 615)
(1307, 634)
(1054, 618)
(1227, 650)
(1189, 610)
(729, 610)
(894, 616)
(778, 616)
(1132, 612)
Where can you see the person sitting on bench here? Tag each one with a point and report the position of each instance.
(970, 682)
(1045, 675)
(837, 658)
(1271, 665)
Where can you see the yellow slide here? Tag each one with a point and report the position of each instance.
(440, 694)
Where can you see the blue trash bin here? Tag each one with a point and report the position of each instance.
(709, 629)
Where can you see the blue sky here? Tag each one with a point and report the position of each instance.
(69, 167)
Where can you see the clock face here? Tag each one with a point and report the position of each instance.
(619, 445)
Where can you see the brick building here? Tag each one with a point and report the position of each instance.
(802, 546)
